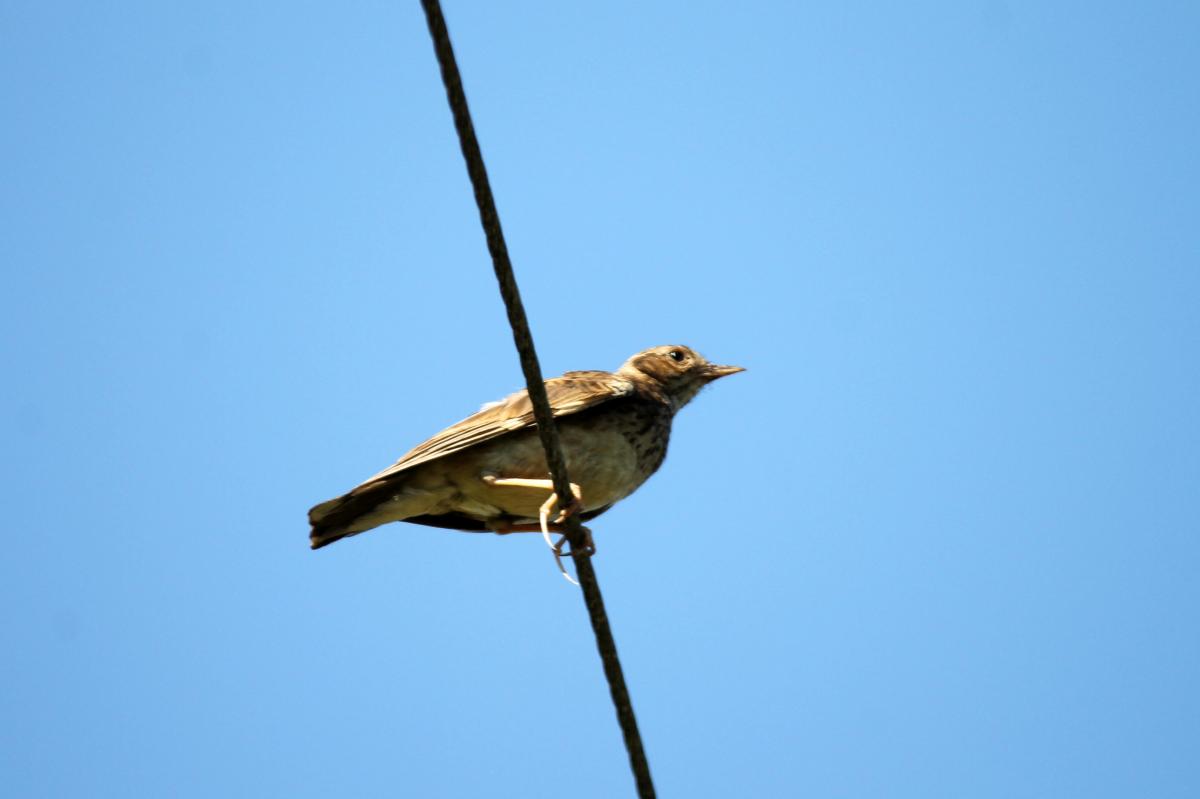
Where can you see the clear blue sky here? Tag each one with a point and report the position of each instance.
(940, 540)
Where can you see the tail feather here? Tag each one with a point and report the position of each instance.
(326, 528)
(369, 506)
(343, 516)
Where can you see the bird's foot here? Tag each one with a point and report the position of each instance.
(544, 524)
(574, 506)
(589, 545)
(589, 549)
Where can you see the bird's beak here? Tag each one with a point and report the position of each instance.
(713, 371)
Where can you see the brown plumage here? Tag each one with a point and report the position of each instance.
(614, 429)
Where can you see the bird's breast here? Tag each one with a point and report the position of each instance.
(609, 451)
(613, 450)
(598, 462)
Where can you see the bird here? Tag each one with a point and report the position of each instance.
(488, 472)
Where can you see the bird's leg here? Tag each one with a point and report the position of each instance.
(574, 506)
(543, 512)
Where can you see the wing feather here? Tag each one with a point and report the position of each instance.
(571, 393)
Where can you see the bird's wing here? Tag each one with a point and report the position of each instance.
(571, 393)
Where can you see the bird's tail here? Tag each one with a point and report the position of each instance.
(326, 527)
(345, 516)
(390, 499)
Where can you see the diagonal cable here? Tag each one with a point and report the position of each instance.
(537, 392)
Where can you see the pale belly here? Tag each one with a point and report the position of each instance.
(600, 460)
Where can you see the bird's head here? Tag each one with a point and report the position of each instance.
(679, 370)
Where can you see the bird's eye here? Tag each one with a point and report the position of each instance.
(675, 355)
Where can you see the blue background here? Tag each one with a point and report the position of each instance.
(940, 540)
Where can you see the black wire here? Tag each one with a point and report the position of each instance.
(537, 392)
